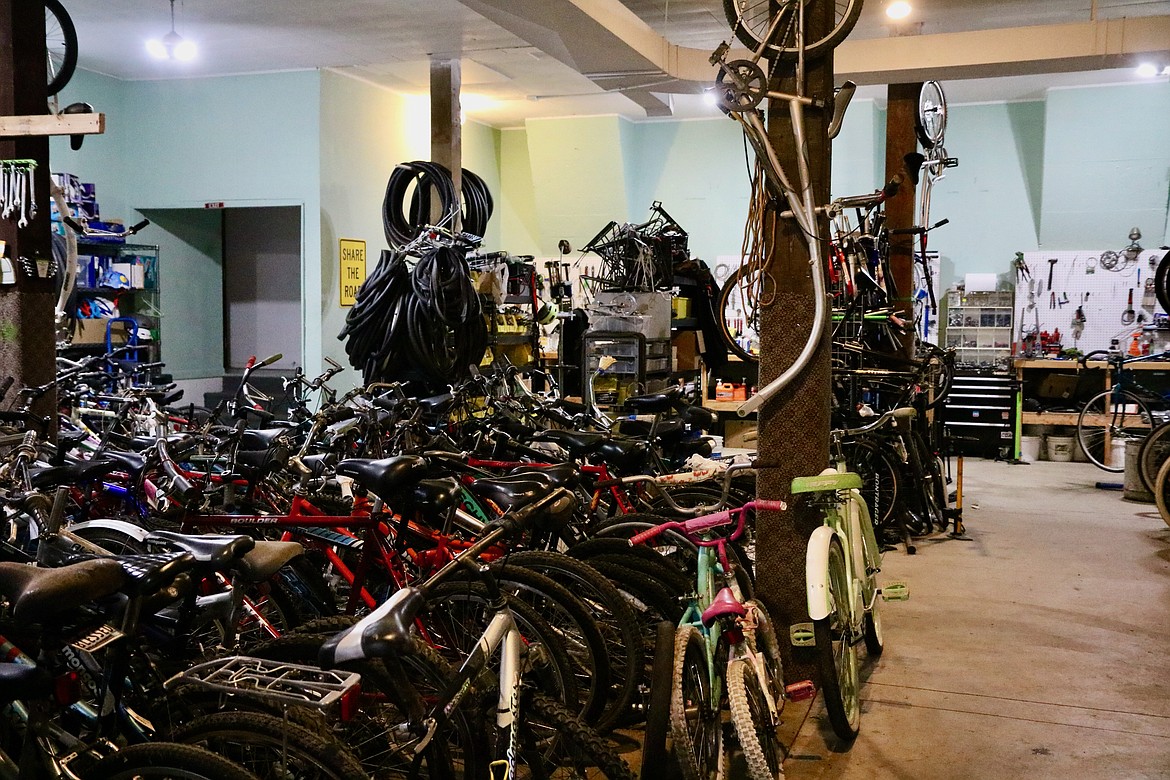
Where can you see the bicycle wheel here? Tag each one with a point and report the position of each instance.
(752, 19)
(694, 719)
(881, 481)
(167, 760)
(837, 652)
(554, 745)
(1153, 453)
(753, 721)
(654, 750)
(1162, 492)
(61, 46)
(765, 642)
(1113, 414)
(739, 318)
(872, 558)
(272, 747)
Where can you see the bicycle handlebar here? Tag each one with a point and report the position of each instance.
(873, 426)
(693, 527)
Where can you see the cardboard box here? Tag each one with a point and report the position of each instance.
(94, 332)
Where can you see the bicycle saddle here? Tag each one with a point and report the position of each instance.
(150, 573)
(578, 443)
(130, 462)
(512, 492)
(384, 477)
(668, 431)
(267, 558)
(83, 471)
(384, 632)
(558, 475)
(261, 438)
(626, 455)
(211, 551)
(35, 594)
(436, 403)
(689, 447)
(652, 403)
(320, 465)
(725, 604)
(21, 681)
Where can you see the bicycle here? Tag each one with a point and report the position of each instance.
(841, 567)
(724, 646)
(1127, 410)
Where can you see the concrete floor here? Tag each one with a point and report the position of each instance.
(1041, 649)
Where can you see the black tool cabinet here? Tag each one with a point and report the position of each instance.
(980, 413)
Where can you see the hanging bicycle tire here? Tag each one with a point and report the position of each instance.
(60, 46)
(751, 20)
(739, 318)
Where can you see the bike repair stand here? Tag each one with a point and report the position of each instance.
(956, 514)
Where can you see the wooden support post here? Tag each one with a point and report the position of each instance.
(901, 112)
(27, 333)
(446, 128)
(794, 426)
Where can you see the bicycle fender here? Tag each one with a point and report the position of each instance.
(816, 572)
(136, 532)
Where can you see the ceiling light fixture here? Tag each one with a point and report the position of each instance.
(898, 10)
(1147, 70)
(172, 46)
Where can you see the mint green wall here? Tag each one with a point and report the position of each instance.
(243, 140)
(516, 214)
(578, 178)
(856, 168)
(1106, 165)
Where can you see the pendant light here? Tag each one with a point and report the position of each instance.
(172, 46)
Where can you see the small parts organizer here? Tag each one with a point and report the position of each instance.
(18, 198)
(979, 327)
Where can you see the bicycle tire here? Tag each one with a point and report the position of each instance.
(750, 20)
(1162, 492)
(615, 618)
(658, 568)
(764, 641)
(400, 687)
(571, 619)
(753, 722)
(694, 723)
(837, 653)
(728, 297)
(575, 747)
(249, 738)
(881, 481)
(61, 46)
(1162, 282)
(1103, 412)
(654, 748)
(166, 760)
(1153, 453)
(872, 558)
(552, 672)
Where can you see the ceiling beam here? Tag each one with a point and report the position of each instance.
(1016, 51)
(607, 42)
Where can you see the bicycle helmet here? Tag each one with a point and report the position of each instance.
(114, 279)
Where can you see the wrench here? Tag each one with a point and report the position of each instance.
(23, 221)
(32, 198)
(7, 192)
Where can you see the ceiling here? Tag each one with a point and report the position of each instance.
(514, 64)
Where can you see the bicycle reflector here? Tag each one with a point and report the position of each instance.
(67, 689)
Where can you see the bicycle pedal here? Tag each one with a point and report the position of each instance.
(800, 691)
(895, 591)
(802, 635)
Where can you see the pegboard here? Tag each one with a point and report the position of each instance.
(1083, 279)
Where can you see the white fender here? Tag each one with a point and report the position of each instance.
(134, 531)
(816, 572)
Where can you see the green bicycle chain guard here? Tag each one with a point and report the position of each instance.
(823, 482)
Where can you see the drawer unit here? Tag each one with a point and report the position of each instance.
(980, 413)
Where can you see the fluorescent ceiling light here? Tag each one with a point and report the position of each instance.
(898, 10)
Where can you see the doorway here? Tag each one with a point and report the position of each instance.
(262, 285)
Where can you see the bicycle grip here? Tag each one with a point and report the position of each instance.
(645, 536)
(181, 487)
(708, 521)
(763, 505)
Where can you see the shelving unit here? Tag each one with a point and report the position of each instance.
(979, 328)
(139, 263)
(642, 365)
(521, 279)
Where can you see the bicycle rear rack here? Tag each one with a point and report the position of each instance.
(275, 681)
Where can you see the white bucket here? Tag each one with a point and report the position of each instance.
(1117, 456)
(1132, 487)
(1030, 448)
(1079, 455)
(1060, 448)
